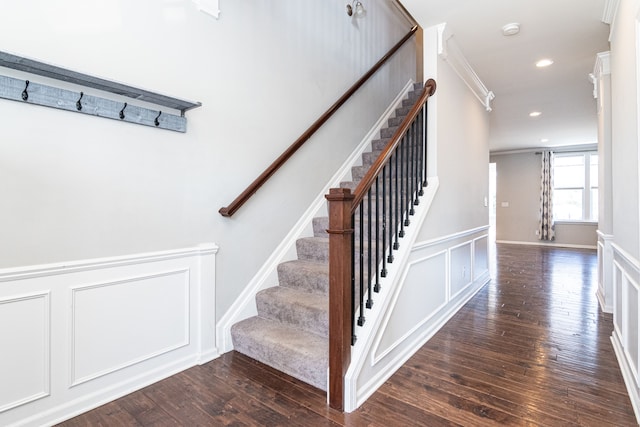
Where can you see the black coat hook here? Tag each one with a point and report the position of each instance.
(25, 94)
(156, 121)
(122, 111)
(78, 103)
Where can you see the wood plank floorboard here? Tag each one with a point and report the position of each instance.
(532, 348)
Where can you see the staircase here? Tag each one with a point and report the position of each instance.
(290, 332)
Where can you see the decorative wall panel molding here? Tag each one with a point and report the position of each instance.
(108, 315)
(25, 361)
(626, 320)
(91, 331)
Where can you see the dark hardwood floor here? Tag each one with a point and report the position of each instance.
(531, 348)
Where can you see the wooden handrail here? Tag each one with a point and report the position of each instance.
(367, 181)
(259, 182)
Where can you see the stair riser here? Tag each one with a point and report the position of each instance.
(311, 278)
(313, 250)
(312, 319)
(303, 356)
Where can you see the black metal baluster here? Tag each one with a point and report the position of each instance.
(376, 288)
(402, 162)
(405, 167)
(353, 280)
(369, 257)
(414, 165)
(383, 273)
(361, 281)
(398, 220)
(390, 223)
(423, 117)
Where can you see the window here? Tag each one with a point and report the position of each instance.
(575, 187)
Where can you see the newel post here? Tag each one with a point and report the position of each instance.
(340, 250)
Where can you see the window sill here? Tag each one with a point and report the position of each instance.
(576, 222)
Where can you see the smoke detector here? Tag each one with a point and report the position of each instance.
(511, 29)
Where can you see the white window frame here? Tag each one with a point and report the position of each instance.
(586, 190)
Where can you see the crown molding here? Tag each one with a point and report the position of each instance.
(609, 14)
(601, 68)
(610, 9)
(449, 51)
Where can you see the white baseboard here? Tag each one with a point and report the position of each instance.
(627, 375)
(554, 244)
(603, 306)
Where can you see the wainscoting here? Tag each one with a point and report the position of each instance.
(626, 320)
(439, 277)
(77, 335)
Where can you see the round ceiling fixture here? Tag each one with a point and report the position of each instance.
(535, 114)
(511, 29)
(544, 63)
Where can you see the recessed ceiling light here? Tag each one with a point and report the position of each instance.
(511, 29)
(544, 140)
(535, 114)
(544, 63)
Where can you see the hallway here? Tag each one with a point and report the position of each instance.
(531, 348)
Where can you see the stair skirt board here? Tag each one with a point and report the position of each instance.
(290, 330)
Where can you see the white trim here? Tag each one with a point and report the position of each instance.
(449, 51)
(444, 239)
(468, 243)
(367, 333)
(366, 390)
(609, 15)
(244, 306)
(356, 395)
(46, 380)
(627, 257)
(29, 272)
(108, 394)
(556, 245)
(75, 290)
(627, 374)
(194, 269)
(375, 356)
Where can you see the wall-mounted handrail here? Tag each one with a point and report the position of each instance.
(260, 180)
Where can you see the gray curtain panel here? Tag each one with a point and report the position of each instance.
(546, 225)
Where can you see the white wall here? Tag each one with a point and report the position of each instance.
(624, 117)
(76, 187)
(462, 157)
(625, 262)
(518, 185)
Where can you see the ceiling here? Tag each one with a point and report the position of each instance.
(570, 32)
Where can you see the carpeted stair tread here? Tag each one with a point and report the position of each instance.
(301, 354)
(305, 275)
(308, 311)
(313, 249)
